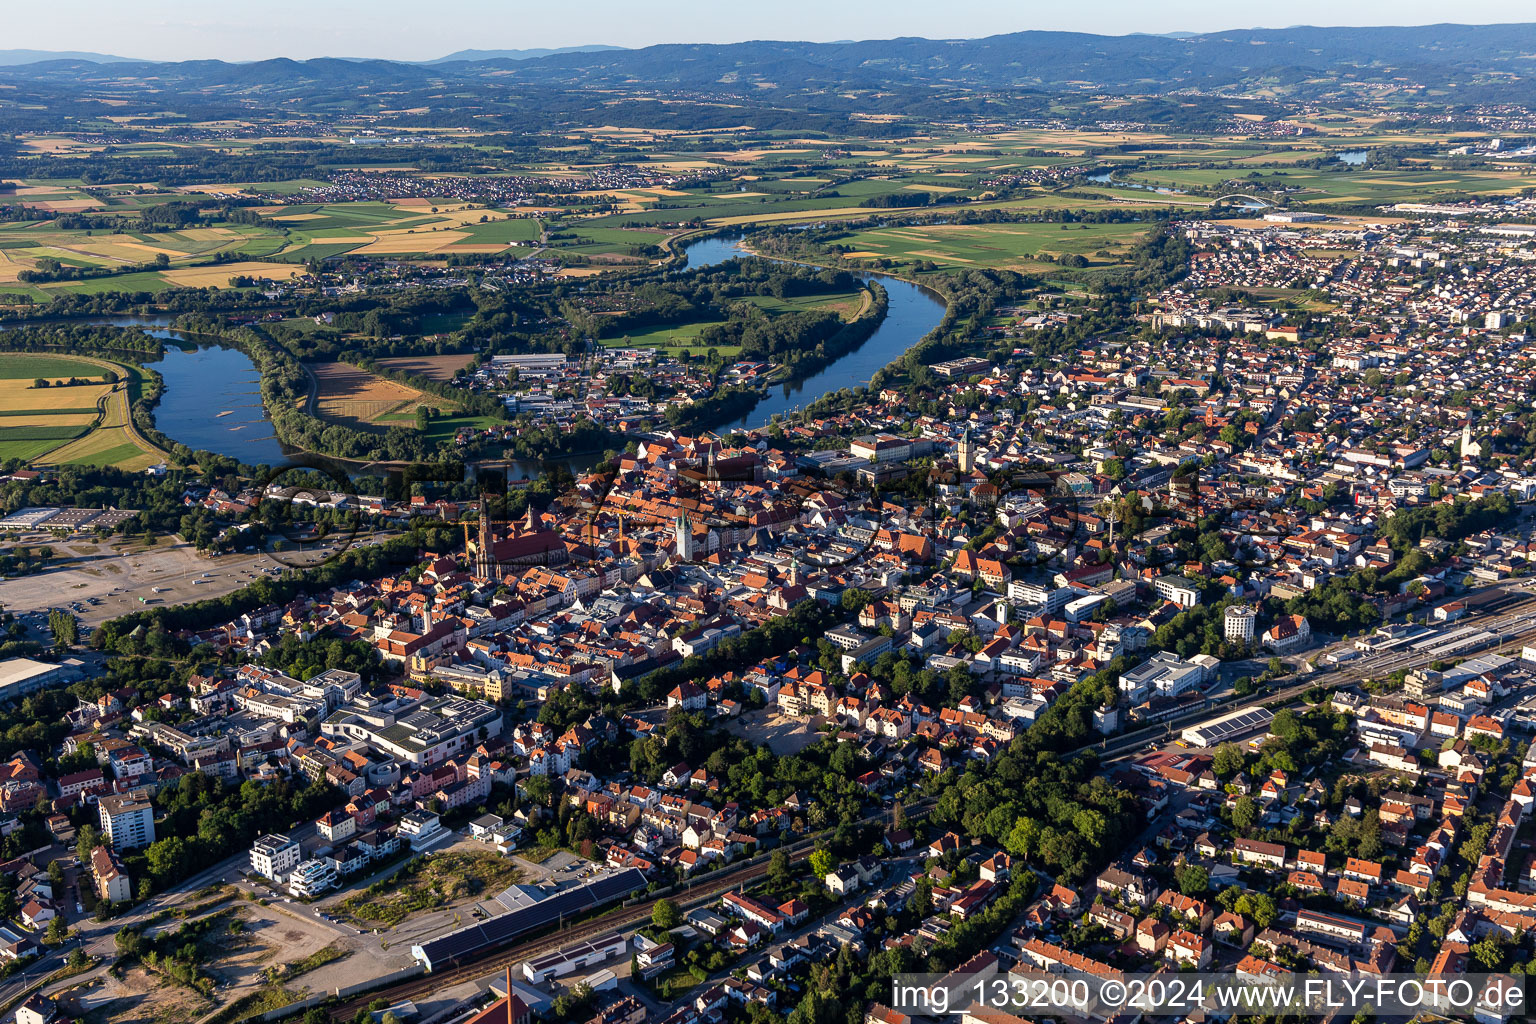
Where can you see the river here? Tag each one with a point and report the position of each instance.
(212, 400)
(212, 396)
(911, 313)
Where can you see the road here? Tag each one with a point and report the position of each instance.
(1512, 626)
(99, 937)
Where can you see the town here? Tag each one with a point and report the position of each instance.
(718, 533)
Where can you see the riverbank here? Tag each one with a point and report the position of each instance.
(913, 312)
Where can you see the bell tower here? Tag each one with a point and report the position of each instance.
(483, 543)
(965, 452)
(683, 538)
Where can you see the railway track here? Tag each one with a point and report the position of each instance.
(1510, 612)
(612, 920)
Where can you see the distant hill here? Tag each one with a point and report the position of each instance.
(804, 85)
(477, 56)
(11, 58)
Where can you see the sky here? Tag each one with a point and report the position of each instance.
(412, 30)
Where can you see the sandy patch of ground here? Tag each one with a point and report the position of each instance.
(434, 367)
(782, 734)
(70, 205)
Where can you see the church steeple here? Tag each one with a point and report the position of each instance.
(483, 544)
(965, 452)
(682, 532)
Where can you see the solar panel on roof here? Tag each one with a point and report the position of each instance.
(476, 938)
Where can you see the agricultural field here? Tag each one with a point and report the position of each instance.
(442, 368)
(1357, 186)
(354, 397)
(606, 244)
(36, 245)
(85, 423)
(115, 441)
(1004, 246)
(407, 227)
(55, 423)
(762, 177)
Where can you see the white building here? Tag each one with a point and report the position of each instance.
(21, 676)
(275, 857)
(418, 733)
(1178, 590)
(127, 821)
(311, 878)
(421, 829)
(1167, 674)
(1238, 623)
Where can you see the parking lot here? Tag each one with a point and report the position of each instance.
(101, 581)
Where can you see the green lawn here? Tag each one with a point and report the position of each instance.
(311, 251)
(674, 339)
(442, 430)
(518, 229)
(125, 452)
(139, 281)
(30, 365)
(995, 245)
(25, 450)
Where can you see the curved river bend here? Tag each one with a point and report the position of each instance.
(212, 396)
(912, 312)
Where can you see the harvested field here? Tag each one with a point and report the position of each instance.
(357, 398)
(219, 276)
(432, 367)
(424, 242)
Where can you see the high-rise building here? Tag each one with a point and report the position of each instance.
(484, 541)
(127, 821)
(1238, 623)
(683, 537)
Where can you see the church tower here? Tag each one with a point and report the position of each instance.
(483, 544)
(965, 452)
(1470, 449)
(683, 538)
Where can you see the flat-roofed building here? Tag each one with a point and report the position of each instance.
(127, 821)
(274, 857)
